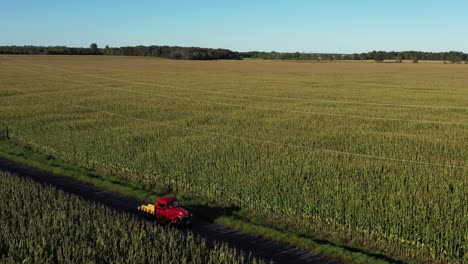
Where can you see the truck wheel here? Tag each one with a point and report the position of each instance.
(176, 221)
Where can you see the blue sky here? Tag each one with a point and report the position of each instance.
(305, 26)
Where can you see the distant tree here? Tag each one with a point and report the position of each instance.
(455, 56)
(347, 57)
(379, 56)
(94, 48)
(107, 50)
(399, 58)
(363, 56)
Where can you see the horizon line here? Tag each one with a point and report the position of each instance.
(181, 46)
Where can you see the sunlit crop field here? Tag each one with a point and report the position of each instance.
(374, 155)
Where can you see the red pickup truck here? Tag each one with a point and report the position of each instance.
(168, 211)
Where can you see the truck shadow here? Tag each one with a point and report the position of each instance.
(211, 213)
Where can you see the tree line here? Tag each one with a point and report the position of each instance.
(170, 52)
(379, 56)
(196, 53)
(286, 55)
(50, 50)
(415, 56)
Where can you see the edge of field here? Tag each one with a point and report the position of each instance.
(29, 157)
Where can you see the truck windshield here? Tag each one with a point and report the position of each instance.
(173, 204)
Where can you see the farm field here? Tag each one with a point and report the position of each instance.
(43, 225)
(371, 155)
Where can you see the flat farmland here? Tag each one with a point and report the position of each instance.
(371, 155)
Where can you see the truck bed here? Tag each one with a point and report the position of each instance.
(149, 208)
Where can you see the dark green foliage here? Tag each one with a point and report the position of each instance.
(379, 56)
(285, 55)
(190, 53)
(94, 49)
(399, 59)
(196, 53)
(414, 56)
(4, 132)
(42, 225)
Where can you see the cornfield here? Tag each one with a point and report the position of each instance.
(368, 155)
(43, 225)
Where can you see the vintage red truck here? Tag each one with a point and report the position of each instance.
(167, 210)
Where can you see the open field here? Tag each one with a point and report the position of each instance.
(363, 154)
(43, 225)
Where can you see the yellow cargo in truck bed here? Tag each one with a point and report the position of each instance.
(147, 208)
